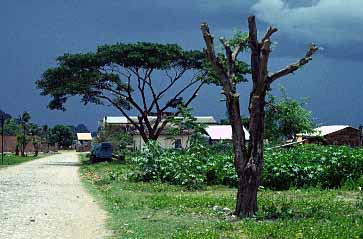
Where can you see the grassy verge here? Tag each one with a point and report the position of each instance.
(12, 159)
(151, 210)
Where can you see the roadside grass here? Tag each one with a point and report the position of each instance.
(12, 159)
(153, 210)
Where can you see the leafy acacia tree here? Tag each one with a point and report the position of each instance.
(124, 76)
(285, 117)
(248, 160)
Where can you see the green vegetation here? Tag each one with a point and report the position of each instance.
(61, 135)
(286, 117)
(313, 165)
(299, 167)
(156, 210)
(11, 159)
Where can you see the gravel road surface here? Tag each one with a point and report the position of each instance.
(44, 198)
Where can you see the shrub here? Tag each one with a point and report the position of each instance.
(301, 166)
(193, 168)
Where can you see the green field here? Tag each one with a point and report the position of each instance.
(154, 210)
(11, 159)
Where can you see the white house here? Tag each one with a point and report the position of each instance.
(222, 132)
(121, 123)
(84, 141)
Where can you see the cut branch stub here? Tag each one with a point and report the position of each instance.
(295, 66)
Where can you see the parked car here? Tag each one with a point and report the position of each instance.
(101, 152)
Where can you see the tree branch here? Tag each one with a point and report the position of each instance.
(271, 30)
(265, 54)
(230, 61)
(293, 67)
(121, 110)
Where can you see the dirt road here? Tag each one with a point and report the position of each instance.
(44, 198)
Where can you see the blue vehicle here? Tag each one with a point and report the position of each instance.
(101, 152)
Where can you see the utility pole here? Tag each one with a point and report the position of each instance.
(2, 138)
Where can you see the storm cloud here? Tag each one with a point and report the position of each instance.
(333, 24)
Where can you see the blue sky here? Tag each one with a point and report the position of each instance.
(34, 33)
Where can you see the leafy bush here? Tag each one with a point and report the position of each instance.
(301, 166)
(312, 165)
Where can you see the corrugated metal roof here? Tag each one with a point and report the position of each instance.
(84, 136)
(217, 132)
(115, 120)
(325, 130)
(205, 119)
(124, 120)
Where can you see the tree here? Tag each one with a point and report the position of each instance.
(186, 123)
(10, 127)
(45, 136)
(61, 135)
(117, 74)
(5, 115)
(248, 160)
(81, 128)
(36, 137)
(285, 117)
(22, 138)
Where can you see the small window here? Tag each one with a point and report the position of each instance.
(178, 143)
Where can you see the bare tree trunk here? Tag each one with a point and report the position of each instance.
(248, 164)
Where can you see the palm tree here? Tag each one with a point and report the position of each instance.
(36, 137)
(23, 121)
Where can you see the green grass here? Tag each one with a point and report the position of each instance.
(12, 159)
(153, 210)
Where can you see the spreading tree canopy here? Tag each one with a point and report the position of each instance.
(142, 76)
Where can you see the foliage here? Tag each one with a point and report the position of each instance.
(22, 137)
(241, 67)
(5, 115)
(285, 117)
(186, 123)
(192, 168)
(11, 159)
(10, 127)
(119, 75)
(312, 165)
(81, 128)
(154, 210)
(299, 167)
(61, 135)
(119, 140)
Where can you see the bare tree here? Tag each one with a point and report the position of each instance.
(248, 159)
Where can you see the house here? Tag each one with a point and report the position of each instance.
(222, 132)
(333, 135)
(84, 141)
(122, 124)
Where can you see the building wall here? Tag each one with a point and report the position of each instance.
(10, 144)
(163, 140)
(348, 136)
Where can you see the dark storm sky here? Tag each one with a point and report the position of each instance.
(35, 32)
